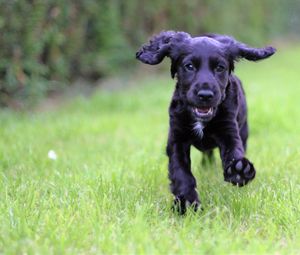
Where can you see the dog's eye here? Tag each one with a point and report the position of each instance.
(189, 67)
(220, 68)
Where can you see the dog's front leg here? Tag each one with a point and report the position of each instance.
(237, 169)
(183, 183)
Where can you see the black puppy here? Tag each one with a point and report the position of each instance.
(208, 108)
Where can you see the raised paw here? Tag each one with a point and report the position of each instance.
(239, 172)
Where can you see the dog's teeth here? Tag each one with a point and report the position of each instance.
(203, 111)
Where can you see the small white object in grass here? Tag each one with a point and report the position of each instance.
(52, 155)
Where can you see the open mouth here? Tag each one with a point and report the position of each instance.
(204, 112)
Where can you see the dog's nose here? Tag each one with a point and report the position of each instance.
(205, 94)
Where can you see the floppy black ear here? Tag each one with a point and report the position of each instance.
(254, 54)
(239, 50)
(160, 46)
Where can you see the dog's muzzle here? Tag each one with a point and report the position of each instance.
(203, 105)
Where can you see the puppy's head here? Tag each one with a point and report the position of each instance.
(201, 64)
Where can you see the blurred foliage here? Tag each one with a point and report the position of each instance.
(47, 43)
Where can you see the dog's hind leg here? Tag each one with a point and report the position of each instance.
(207, 158)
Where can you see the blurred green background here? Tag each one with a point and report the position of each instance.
(47, 45)
(106, 190)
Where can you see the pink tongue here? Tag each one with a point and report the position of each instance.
(203, 110)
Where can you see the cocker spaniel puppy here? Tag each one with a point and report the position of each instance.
(208, 108)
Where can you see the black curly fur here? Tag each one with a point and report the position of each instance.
(204, 67)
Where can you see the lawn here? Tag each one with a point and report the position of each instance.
(107, 191)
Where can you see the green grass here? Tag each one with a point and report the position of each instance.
(107, 192)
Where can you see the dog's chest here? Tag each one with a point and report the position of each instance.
(198, 127)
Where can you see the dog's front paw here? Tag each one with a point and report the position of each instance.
(181, 203)
(239, 172)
